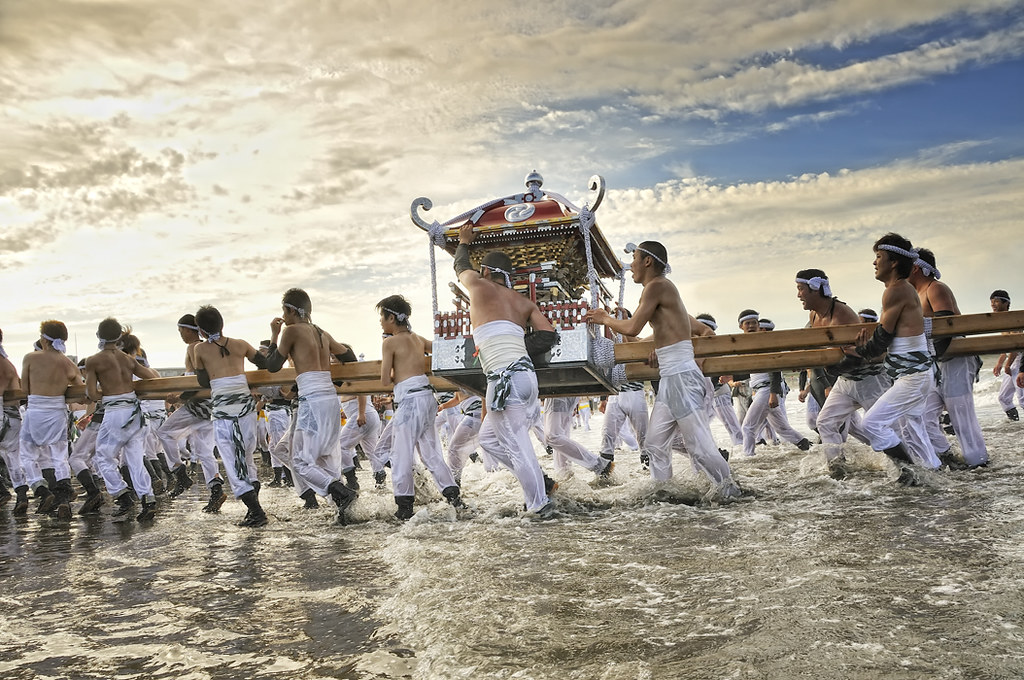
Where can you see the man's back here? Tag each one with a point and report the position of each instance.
(8, 376)
(406, 351)
(113, 370)
(308, 348)
(48, 373)
(208, 356)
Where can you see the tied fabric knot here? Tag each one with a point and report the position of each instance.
(927, 269)
(102, 344)
(436, 233)
(400, 317)
(508, 281)
(817, 283)
(57, 343)
(248, 403)
(127, 401)
(303, 314)
(503, 382)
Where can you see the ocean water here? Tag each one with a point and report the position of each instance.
(804, 576)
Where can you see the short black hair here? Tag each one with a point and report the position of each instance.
(748, 312)
(869, 311)
(187, 320)
(903, 263)
(708, 317)
(999, 294)
(109, 329)
(655, 251)
(209, 320)
(499, 260)
(396, 307)
(296, 297)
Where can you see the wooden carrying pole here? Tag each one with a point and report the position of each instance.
(361, 377)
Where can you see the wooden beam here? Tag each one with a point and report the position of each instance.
(811, 338)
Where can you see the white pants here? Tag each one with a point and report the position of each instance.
(181, 425)
(43, 439)
(843, 400)
(956, 394)
(462, 443)
(903, 406)
(760, 414)
(505, 436)
(121, 432)
(239, 465)
(1008, 389)
(278, 420)
(721, 404)
(10, 450)
(316, 449)
(84, 449)
(352, 434)
(413, 427)
(623, 408)
(679, 406)
(557, 435)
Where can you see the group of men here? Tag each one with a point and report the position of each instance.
(128, 444)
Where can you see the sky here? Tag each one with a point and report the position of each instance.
(158, 156)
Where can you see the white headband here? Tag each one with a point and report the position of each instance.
(868, 317)
(210, 337)
(817, 283)
(399, 317)
(303, 314)
(748, 317)
(508, 281)
(185, 325)
(630, 247)
(912, 254)
(709, 323)
(103, 343)
(57, 343)
(997, 297)
(766, 323)
(927, 269)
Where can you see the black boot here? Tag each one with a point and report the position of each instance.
(47, 500)
(148, 511)
(451, 493)
(342, 497)
(93, 499)
(550, 485)
(310, 497)
(62, 490)
(125, 504)
(804, 444)
(380, 479)
(351, 481)
(217, 496)
(899, 454)
(165, 472)
(1012, 414)
(50, 475)
(21, 504)
(126, 475)
(256, 517)
(278, 473)
(404, 507)
(606, 471)
(155, 479)
(183, 481)
(286, 477)
(724, 452)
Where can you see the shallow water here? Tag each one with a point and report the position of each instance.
(803, 577)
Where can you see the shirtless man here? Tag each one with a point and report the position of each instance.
(191, 422)
(955, 392)
(45, 376)
(1008, 365)
(680, 402)
(415, 407)
(858, 384)
(108, 378)
(900, 336)
(316, 448)
(219, 364)
(500, 317)
(10, 433)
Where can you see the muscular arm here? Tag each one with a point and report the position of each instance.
(278, 353)
(90, 381)
(632, 326)
(144, 372)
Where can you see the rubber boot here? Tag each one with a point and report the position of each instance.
(165, 471)
(451, 493)
(125, 504)
(217, 496)
(278, 474)
(126, 475)
(47, 500)
(286, 477)
(404, 507)
(157, 480)
(62, 490)
(50, 475)
(351, 481)
(380, 479)
(148, 511)
(804, 444)
(310, 497)
(342, 497)
(21, 504)
(899, 454)
(550, 485)
(256, 490)
(606, 471)
(93, 499)
(183, 481)
(256, 517)
(1012, 414)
